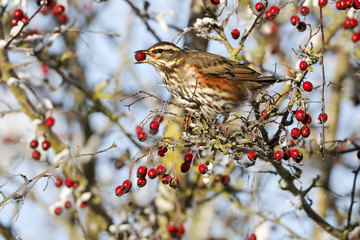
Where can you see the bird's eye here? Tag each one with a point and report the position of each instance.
(157, 51)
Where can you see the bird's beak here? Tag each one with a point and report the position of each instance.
(153, 56)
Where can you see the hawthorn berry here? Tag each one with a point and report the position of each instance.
(353, 22)
(259, 7)
(301, 26)
(152, 173)
(118, 191)
(348, 3)
(296, 155)
(340, 5)
(274, 10)
(235, 34)
(13, 22)
(188, 157)
(159, 118)
(46, 144)
(83, 204)
(140, 56)
(165, 179)
(59, 9)
(279, 155)
(269, 15)
(356, 4)
(287, 155)
(355, 37)
(24, 19)
(127, 184)
(75, 184)
(295, 133)
(142, 136)
(307, 86)
(67, 204)
(215, 2)
(58, 210)
(141, 171)
(225, 179)
(174, 182)
(160, 170)
(294, 20)
(251, 155)
(252, 237)
(62, 18)
(305, 131)
(154, 125)
(322, 118)
(185, 167)
(18, 14)
(304, 11)
(68, 182)
(141, 182)
(172, 228)
(203, 168)
(34, 143)
(58, 181)
(162, 150)
(180, 230)
(307, 119)
(322, 3)
(303, 65)
(265, 114)
(49, 121)
(36, 154)
(300, 115)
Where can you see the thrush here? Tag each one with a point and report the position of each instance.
(214, 83)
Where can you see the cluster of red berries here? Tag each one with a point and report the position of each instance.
(176, 230)
(223, 178)
(141, 173)
(18, 16)
(295, 20)
(346, 4)
(351, 23)
(45, 144)
(154, 128)
(57, 10)
(188, 159)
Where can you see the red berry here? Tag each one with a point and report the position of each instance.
(216, 2)
(296, 155)
(303, 65)
(118, 191)
(24, 19)
(68, 182)
(294, 20)
(185, 167)
(287, 155)
(269, 15)
(225, 179)
(83, 204)
(304, 11)
(252, 237)
(322, 118)
(305, 131)
(251, 155)
(356, 4)
(13, 22)
(188, 157)
(322, 3)
(152, 173)
(162, 150)
(340, 5)
(203, 168)
(300, 115)
(279, 155)
(218, 178)
(67, 204)
(307, 86)
(141, 182)
(36, 154)
(159, 118)
(62, 18)
(138, 129)
(58, 182)
(165, 179)
(141, 171)
(172, 228)
(259, 6)
(301, 26)
(355, 37)
(180, 230)
(348, 3)
(18, 14)
(127, 184)
(58, 210)
(49, 121)
(59, 9)
(274, 10)
(154, 125)
(140, 56)
(265, 114)
(295, 133)
(142, 136)
(46, 144)
(160, 170)
(235, 34)
(353, 22)
(34, 143)
(307, 119)
(75, 184)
